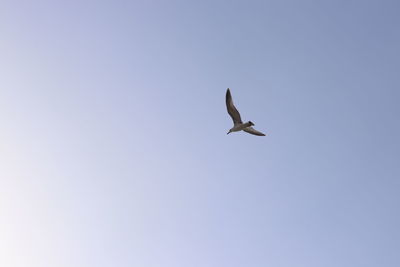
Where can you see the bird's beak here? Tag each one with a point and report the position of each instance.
(228, 132)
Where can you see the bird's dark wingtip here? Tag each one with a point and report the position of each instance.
(228, 93)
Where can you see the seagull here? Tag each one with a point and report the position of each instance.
(238, 125)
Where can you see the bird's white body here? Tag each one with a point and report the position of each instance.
(240, 127)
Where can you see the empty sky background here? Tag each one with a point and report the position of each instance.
(113, 148)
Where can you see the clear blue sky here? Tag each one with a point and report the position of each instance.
(114, 152)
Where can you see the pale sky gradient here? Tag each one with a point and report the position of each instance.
(114, 152)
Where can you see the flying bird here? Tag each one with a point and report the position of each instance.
(238, 125)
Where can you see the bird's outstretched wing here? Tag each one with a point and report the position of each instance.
(232, 109)
(251, 130)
